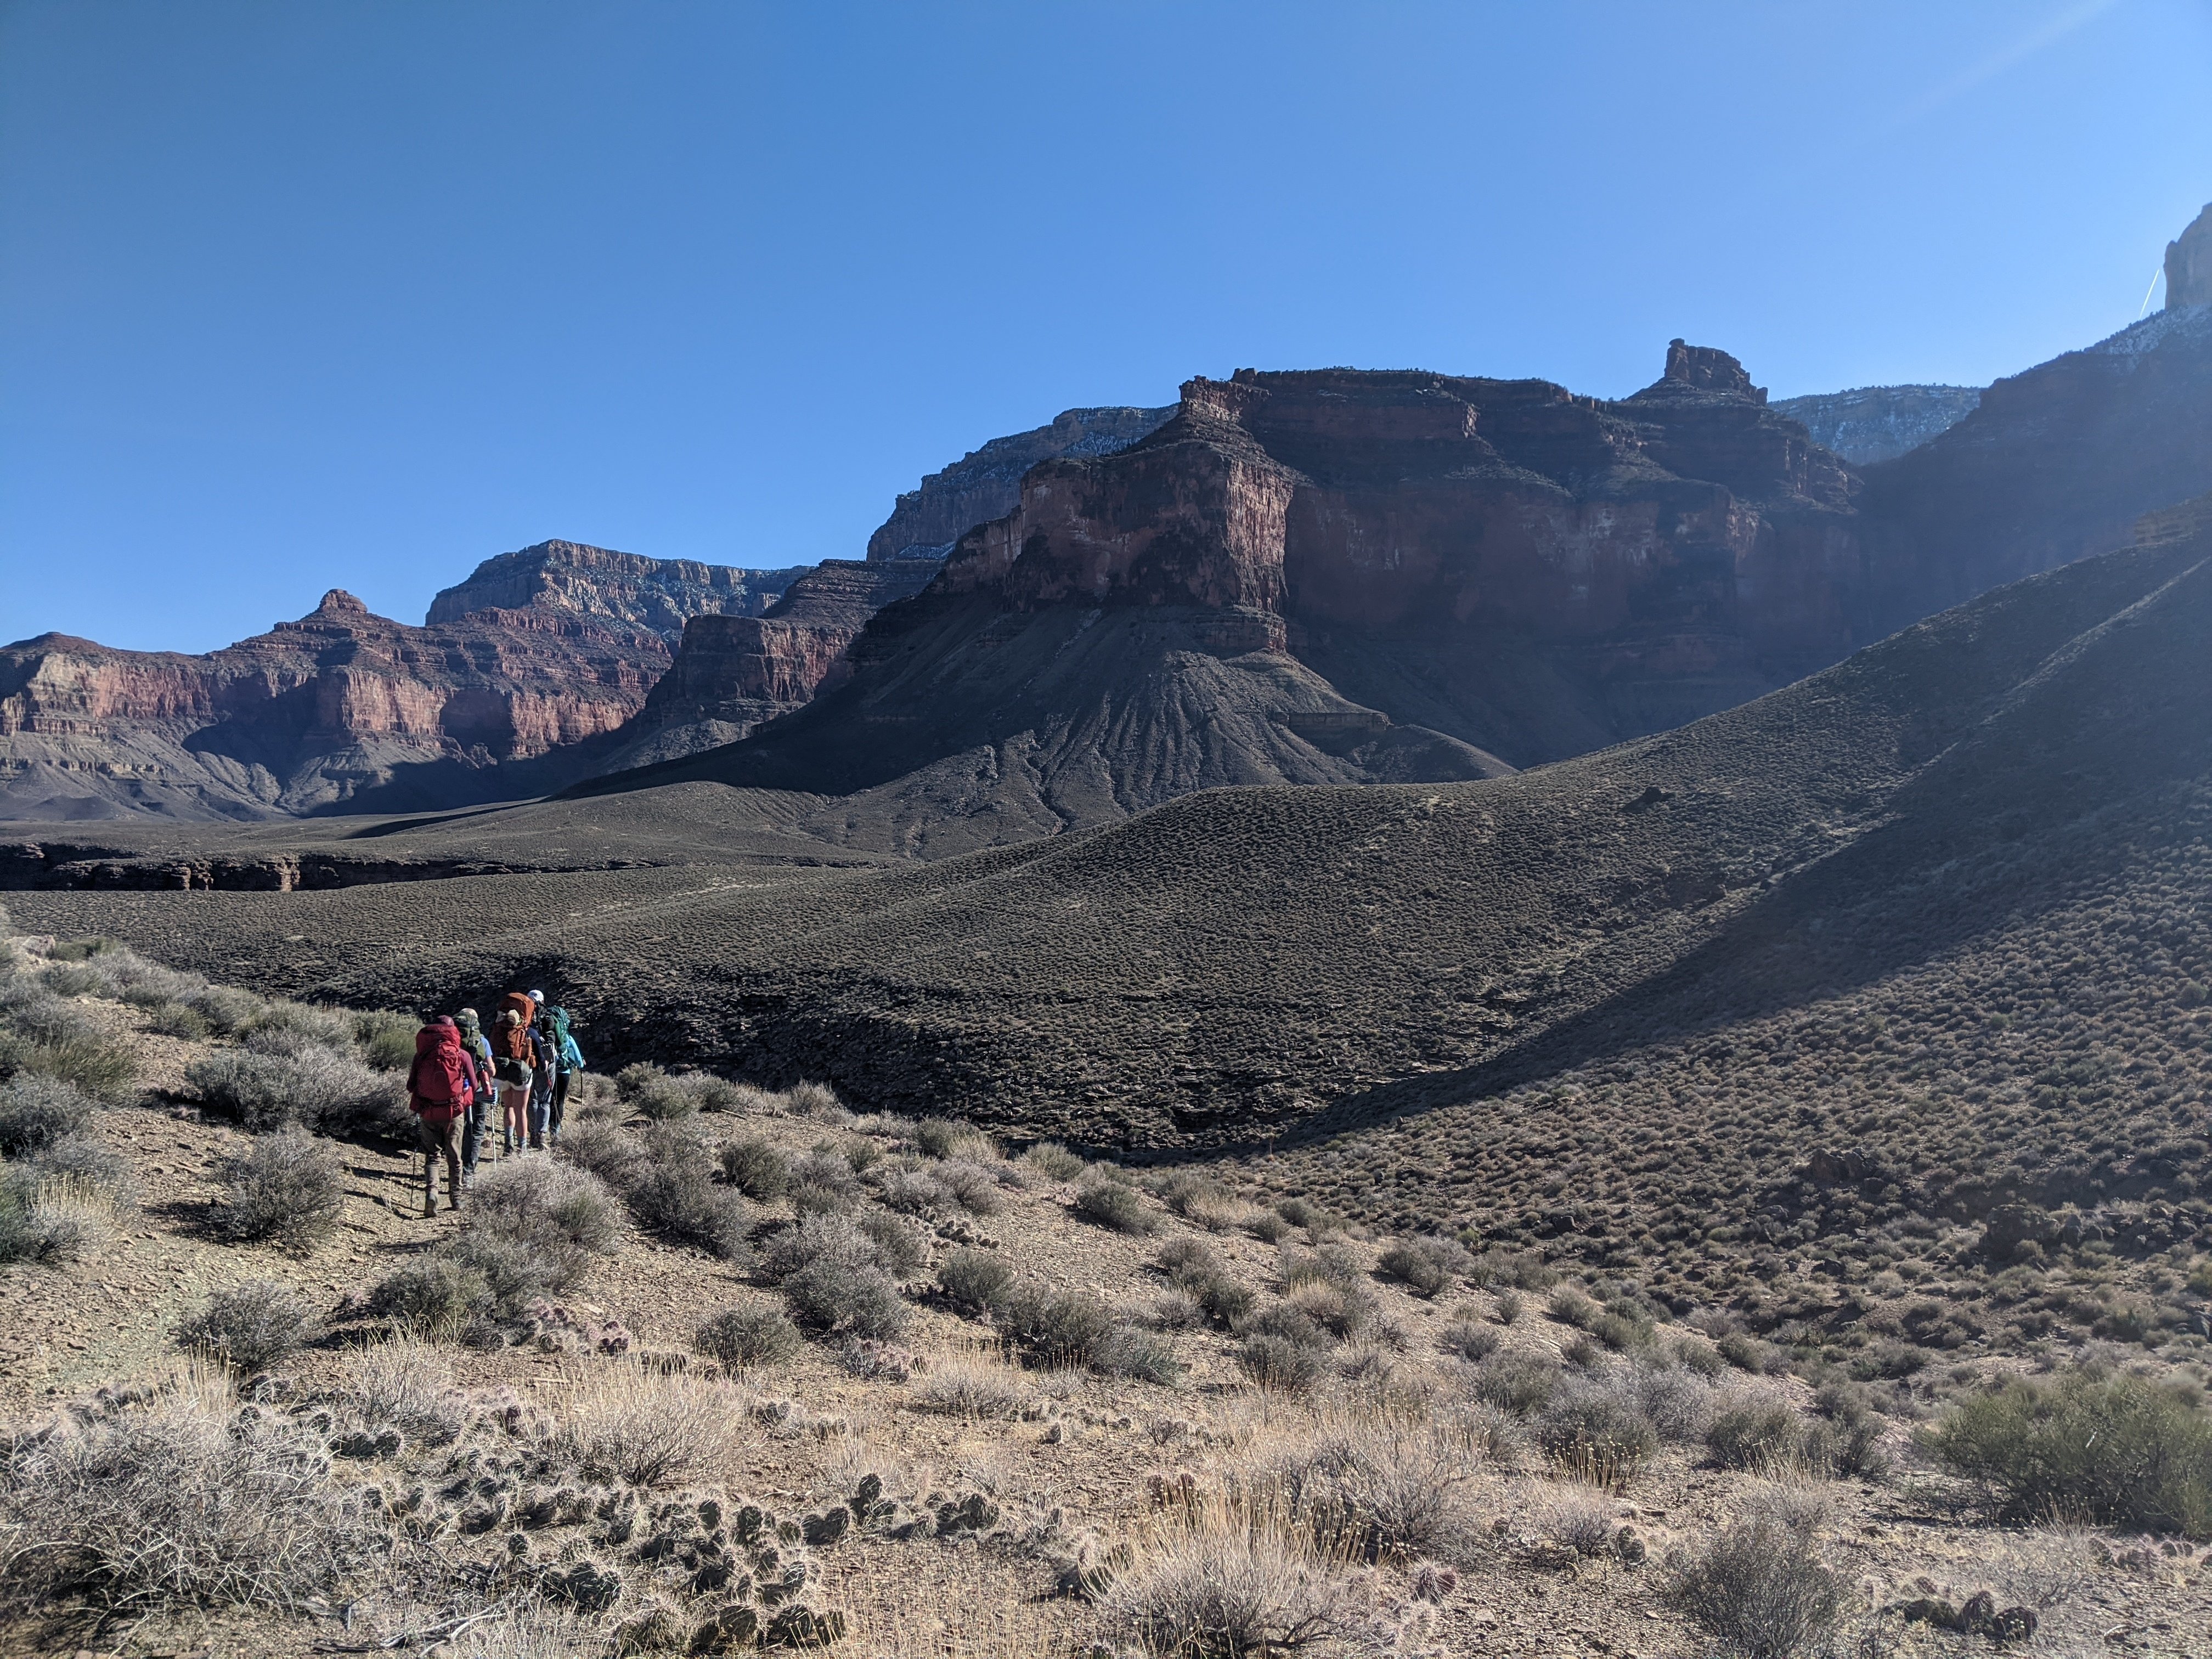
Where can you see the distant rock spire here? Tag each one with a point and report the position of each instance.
(2189, 265)
(1708, 368)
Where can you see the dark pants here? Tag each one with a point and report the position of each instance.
(561, 1082)
(440, 1139)
(472, 1127)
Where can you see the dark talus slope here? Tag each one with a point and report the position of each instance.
(597, 582)
(2055, 463)
(987, 483)
(341, 708)
(1880, 423)
(1246, 966)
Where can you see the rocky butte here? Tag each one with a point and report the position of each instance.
(661, 594)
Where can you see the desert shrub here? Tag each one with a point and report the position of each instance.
(1760, 1587)
(1054, 1161)
(177, 1019)
(53, 1040)
(1266, 1226)
(1520, 1382)
(1468, 1340)
(86, 1165)
(1304, 1212)
(286, 1186)
(1276, 1362)
(1509, 1307)
(1517, 1270)
(742, 1338)
(386, 1041)
(979, 1280)
(50, 1220)
(517, 1270)
(313, 1086)
(836, 1293)
(1059, 1326)
(1620, 1331)
(1176, 1310)
(972, 1382)
(1112, 1205)
(1746, 1353)
(1283, 1320)
(756, 1169)
(815, 1100)
(1759, 1435)
(1342, 1310)
(813, 1236)
(1679, 1402)
(672, 1191)
(76, 979)
(176, 1495)
(2113, 1451)
(1224, 1299)
(402, 1383)
(1571, 1307)
(913, 1191)
(433, 1297)
(283, 1027)
(1126, 1350)
(1596, 1435)
(828, 1169)
(633, 1081)
(1577, 1517)
(1201, 1200)
(1225, 1589)
(539, 1198)
(1183, 1260)
(35, 1110)
(152, 986)
(604, 1148)
(1699, 1355)
(1426, 1265)
(650, 1427)
(972, 1187)
(1371, 1486)
(225, 1007)
(249, 1327)
(942, 1137)
(901, 1249)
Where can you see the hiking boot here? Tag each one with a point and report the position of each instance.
(429, 1203)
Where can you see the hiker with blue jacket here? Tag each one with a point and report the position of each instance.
(567, 1060)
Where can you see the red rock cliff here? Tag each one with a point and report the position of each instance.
(310, 714)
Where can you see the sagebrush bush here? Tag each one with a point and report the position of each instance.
(901, 1249)
(539, 1198)
(35, 1110)
(249, 1327)
(1342, 1310)
(1054, 1161)
(432, 1296)
(1289, 1322)
(1516, 1381)
(1761, 1436)
(1427, 1265)
(1227, 1589)
(1112, 1204)
(1127, 1350)
(51, 1221)
(516, 1269)
(177, 1019)
(1760, 1587)
(2114, 1450)
(941, 1137)
(386, 1041)
(650, 1427)
(87, 1165)
(286, 1186)
(913, 1191)
(225, 1007)
(1371, 1486)
(741, 1338)
(972, 1187)
(756, 1169)
(1276, 1362)
(281, 1027)
(177, 1496)
(313, 1087)
(1596, 1435)
(1062, 1328)
(977, 1280)
(1468, 1340)
(672, 1191)
(604, 1148)
(49, 1038)
(835, 1293)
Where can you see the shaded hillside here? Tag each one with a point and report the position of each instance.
(2055, 463)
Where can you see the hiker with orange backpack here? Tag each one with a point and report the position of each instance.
(515, 1061)
(441, 1084)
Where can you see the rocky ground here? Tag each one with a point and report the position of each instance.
(1072, 1468)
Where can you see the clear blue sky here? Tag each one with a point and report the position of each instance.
(356, 293)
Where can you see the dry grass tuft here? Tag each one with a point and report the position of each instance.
(652, 1428)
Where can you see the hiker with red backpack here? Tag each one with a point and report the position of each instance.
(441, 1084)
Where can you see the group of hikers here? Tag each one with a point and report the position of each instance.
(463, 1076)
